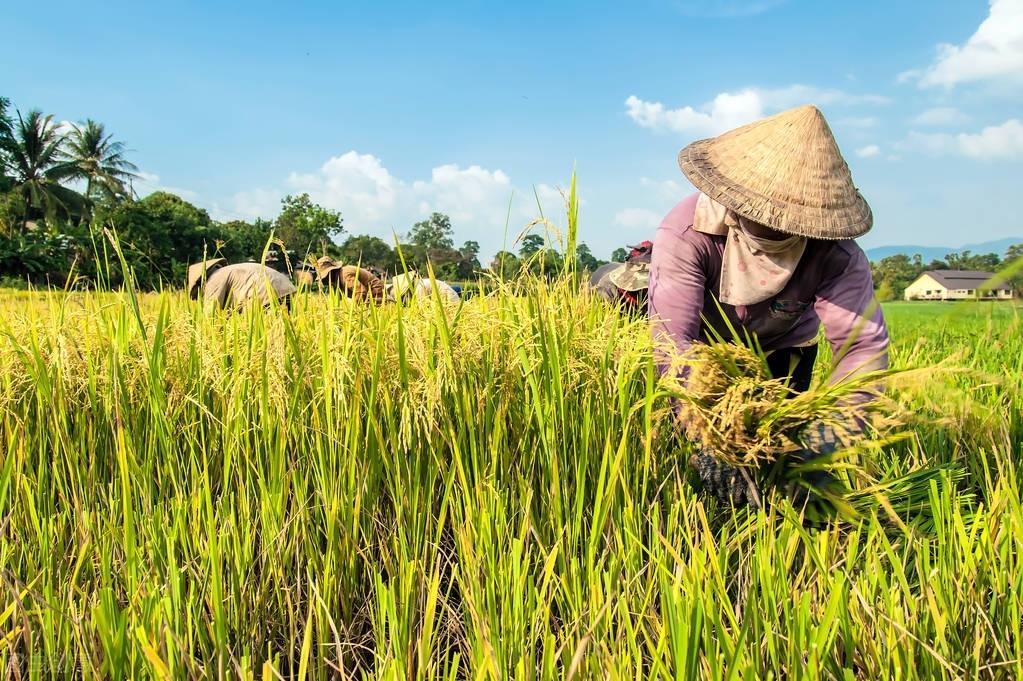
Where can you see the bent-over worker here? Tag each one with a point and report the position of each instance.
(405, 286)
(236, 286)
(357, 283)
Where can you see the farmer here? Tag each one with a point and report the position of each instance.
(357, 283)
(236, 286)
(767, 242)
(622, 283)
(406, 286)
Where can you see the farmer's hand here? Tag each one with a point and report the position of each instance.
(819, 440)
(728, 483)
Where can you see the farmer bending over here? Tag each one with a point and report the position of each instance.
(769, 238)
(409, 286)
(357, 283)
(235, 286)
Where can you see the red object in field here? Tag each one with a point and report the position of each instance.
(640, 252)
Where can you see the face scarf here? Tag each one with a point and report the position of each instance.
(753, 269)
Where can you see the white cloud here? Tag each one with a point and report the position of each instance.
(941, 116)
(869, 151)
(996, 142)
(993, 52)
(638, 218)
(730, 110)
(373, 200)
(357, 184)
(467, 195)
(249, 205)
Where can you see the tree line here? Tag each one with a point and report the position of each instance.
(65, 187)
(892, 275)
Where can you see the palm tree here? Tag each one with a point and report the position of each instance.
(5, 120)
(100, 160)
(39, 168)
(5, 135)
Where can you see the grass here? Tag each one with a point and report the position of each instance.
(481, 492)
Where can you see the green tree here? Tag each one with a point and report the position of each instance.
(1014, 266)
(531, 245)
(6, 130)
(468, 264)
(433, 234)
(160, 236)
(431, 242)
(306, 227)
(241, 240)
(585, 260)
(369, 251)
(896, 272)
(6, 125)
(39, 168)
(988, 262)
(619, 255)
(101, 161)
(505, 265)
(538, 258)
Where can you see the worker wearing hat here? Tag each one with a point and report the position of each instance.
(357, 283)
(766, 246)
(237, 286)
(622, 283)
(410, 285)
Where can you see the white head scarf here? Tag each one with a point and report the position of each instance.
(753, 269)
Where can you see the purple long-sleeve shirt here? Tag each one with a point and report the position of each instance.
(831, 285)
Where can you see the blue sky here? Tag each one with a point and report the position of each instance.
(389, 110)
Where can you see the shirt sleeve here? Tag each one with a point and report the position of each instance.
(678, 284)
(852, 318)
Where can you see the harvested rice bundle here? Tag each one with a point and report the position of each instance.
(755, 434)
(734, 408)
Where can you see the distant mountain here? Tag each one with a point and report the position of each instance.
(929, 253)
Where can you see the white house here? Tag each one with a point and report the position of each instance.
(957, 285)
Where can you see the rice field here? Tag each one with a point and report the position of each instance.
(491, 491)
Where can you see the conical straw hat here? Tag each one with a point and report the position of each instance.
(197, 271)
(324, 266)
(785, 172)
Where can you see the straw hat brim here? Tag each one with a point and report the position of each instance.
(197, 271)
(815, 222)
(324, 266)
(631, 277)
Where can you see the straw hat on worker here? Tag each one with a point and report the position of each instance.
(765, 250)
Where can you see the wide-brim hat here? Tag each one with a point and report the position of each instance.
(785, 172)
(326, 265)
(631, 276)
(197, 271)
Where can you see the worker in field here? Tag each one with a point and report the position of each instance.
(237, 286)
(622, 283)
(766, 246)
(358, 283)
(408, 286)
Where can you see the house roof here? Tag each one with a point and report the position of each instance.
(965, 279)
